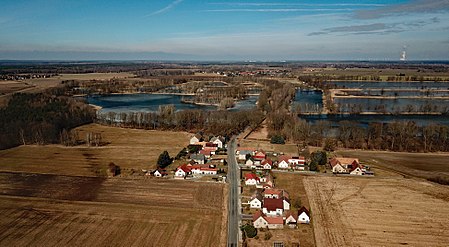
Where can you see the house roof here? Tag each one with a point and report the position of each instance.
(205, 152)
(290, 213)
(185, 168)
(272, 204)
(298, 158)
(273, 192)
(303, 210)
(210, 144)
(161, 171)
(258, 196)
(275, 220)
(245, 152)
(197, 156)
(267, 161)
(251, 176)
(283, 158)
(197, 136)
(343, 161)
(257, 215)
(215, 138)
(260, 154)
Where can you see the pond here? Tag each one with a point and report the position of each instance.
(308, 100)
(365, 120)
(151, 102)
(389, 85)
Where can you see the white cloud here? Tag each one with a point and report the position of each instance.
(166, 8)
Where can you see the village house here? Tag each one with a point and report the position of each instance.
(267, 164)
(203, 170)
(219, 141)
(286, 162)
(206, 153)
(346, 165)
(283, 162)
(160, 173)
(198, 158)
(195, 139)
(273, 193)
(183, 171)
(259, 220)
(256, 201)
(243, 152)
(262, 221)
(273, 206)
(290, 219)
(303, 216)
(251, 179)
(250, 162)
(260, 155)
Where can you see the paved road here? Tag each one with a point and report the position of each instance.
(233, 204)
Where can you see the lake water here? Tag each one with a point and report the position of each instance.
(365, 120)
(391, 105)
(151, 102)
(308, 100)
(389, 85)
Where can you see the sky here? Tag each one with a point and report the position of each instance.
(262, 30)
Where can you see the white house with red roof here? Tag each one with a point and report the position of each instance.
(291, 219)
(183, 171)
(283, 162)
(260, 155)
(260, 220)
(267, 164)
(346, 165)
(160, 173)
(303, 216)
(251, 179)
(273, 206)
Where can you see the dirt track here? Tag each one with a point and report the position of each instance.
(349, 211)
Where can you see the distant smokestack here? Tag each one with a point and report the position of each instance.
(403, 54)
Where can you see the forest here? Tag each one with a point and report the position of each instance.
(40, 118)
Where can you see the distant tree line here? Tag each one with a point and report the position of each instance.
(402, 136)
(223, 123)
(41, 118)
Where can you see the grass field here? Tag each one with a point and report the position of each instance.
(348, 211)
(422, 165)
(54, 210)
(128, 148)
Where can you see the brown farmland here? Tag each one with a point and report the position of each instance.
(127, 148)
(50, 210)
(348, 211)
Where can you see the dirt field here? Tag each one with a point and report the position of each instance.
(290, 149)
(422, 165)
(348, 211)
(95, 76)
(51, 210)
(128, 148)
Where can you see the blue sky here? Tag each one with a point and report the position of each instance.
(224, 30)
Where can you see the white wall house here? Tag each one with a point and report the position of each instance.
(255, 202)
(194, 139)
(291, 220)
(283, 164)
(357, 171)
(303, 216)
(259, 221)
(217, 140)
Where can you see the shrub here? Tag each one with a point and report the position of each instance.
(277, 139)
